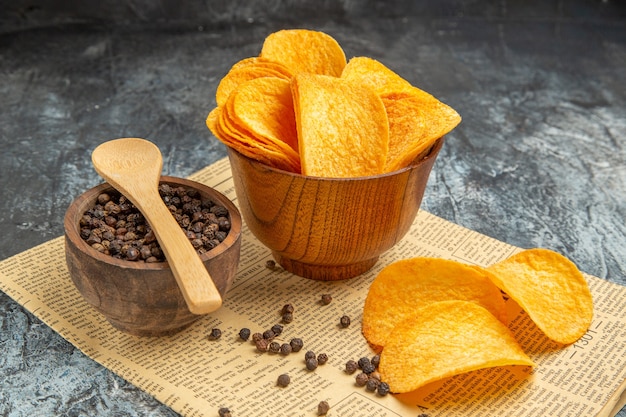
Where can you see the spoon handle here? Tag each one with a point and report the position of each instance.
(193, 279)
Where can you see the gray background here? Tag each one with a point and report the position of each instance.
(538, 160)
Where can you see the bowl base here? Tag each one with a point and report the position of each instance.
(325, 272)
(148, 332)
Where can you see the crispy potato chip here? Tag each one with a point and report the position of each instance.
(245, 70)
(342, 127)
(444, 339)
(382, 80)
(416, 119)
(403, 286)
(551, 289)
(264, 106)
(258, 121)
(306, 51)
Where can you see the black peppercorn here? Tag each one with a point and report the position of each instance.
(283, 380)
(368, 368)
(311, 364)
(262, 345)
(257, 336)
(375, 360)
(296, 344)
(309, 354)
(372, 384)
(244, 334)
(269, 335)
(322, 358)
(287, 308)
(277, 329)
(351, 366)
(287, 318)
(270, 264)
(361, 379)
(224, 412)
(326, 299)
(215, 334)
(344, 321)
(285, 349)
(383, 388)
(274, 347)
(322, 408)
(364, 361)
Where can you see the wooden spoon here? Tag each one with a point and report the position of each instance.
(133, 167)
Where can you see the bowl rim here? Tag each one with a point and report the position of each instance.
(421, 159)
(84, 200)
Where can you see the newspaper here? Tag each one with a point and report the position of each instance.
(195, 376)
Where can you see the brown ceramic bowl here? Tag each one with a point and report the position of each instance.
(141, 298)
(329, 228)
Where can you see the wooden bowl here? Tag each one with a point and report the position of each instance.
(329, 228)
(141, 298)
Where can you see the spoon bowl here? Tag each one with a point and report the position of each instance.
(133, 167)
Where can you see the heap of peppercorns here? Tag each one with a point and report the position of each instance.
(114, 226)
(369, 376)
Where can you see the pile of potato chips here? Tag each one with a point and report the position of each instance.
(434, 318)
(299, 106)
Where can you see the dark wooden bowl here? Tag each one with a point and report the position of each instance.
(141, 298)
(329, 228)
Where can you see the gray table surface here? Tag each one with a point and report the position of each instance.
(539, 159)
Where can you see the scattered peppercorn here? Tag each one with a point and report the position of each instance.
(296, 344)
(287, 308)
(368, 368)
(383, 388)
(309, 354)
(361, 379)
(351, 366)
(269, 335)
(274, 347)
(224, 412)
(322, 358)
(322, 408)
(311, 364)
(372, 384)
(262, 345)
(215, 334)
(283, 380)
(364, 361)
(277, 329)
(326, 299)
(375, 360)
(270, 264)
(115, 227)
(257, 336)
(285, 349)
(244, 334)
(344, 321)
(287, 318)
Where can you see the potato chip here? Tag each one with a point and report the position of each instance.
(305, 51)
(551, 289)
(416, 119)
(342, 127)
(258, 121)
(403, 286)
(444, 339)
(245, 70)
(382, 80)
(264, 106)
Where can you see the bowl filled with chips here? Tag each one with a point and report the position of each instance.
(330, 158)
